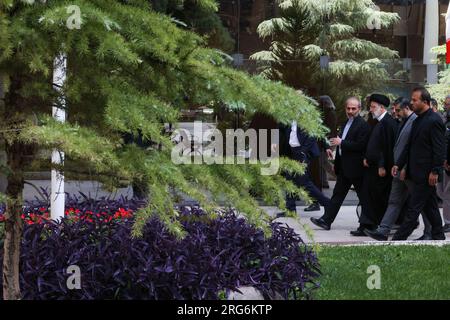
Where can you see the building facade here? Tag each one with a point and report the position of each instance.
(417, 29)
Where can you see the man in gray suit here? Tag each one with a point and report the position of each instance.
(399, 190)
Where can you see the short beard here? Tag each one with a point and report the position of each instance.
(377, 113)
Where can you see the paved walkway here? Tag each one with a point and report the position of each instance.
(346, 220)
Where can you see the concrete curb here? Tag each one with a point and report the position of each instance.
(436, 243)
(251, 293)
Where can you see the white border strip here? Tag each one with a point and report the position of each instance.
(436, 243)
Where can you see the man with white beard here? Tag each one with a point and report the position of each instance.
(399, 190)
(378, 162)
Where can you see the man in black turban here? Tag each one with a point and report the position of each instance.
(378, 162)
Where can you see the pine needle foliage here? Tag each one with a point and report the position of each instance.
(131, 70)
(308, 29)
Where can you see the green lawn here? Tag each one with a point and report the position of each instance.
(407, 272)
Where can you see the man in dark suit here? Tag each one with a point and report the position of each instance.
(348, 165)
(379, 159)
(423, 161)
(399, 189)
(297, 145)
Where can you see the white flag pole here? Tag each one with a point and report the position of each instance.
(431, 39)
(57, 200)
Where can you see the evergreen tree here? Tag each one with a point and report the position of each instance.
(130, 70)
(308, 29)
(199, 16)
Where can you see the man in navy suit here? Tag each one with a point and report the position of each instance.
(423, 161)
(297, 145)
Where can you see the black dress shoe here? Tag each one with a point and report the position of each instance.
(313, 207)
(358, 233)
(321, 223)
(280, 215)
(446, 228)
(398, 238)
(438, 236)
(374, 234)
(424, 237)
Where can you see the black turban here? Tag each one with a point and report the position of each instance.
(381, 99)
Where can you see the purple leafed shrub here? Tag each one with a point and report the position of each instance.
(215, 257)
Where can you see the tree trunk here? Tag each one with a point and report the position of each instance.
(13, 236)
(14, 114)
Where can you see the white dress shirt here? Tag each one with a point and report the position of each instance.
(293, 139)
(345, 132)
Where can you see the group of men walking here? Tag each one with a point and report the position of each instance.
(398, 166)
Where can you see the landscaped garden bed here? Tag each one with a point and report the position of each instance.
(215, 257)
